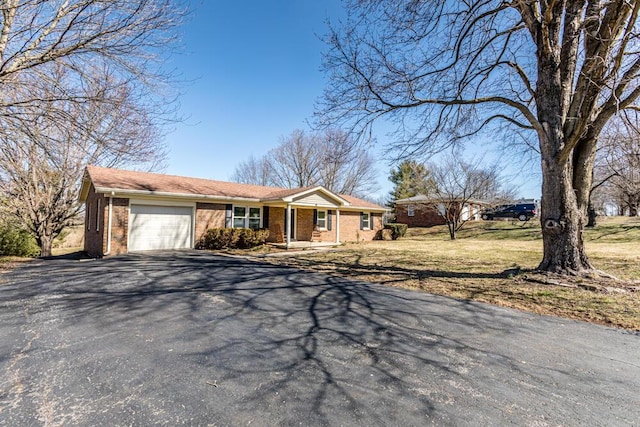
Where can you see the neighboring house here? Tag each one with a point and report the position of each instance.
(421, 211)
(135, 211)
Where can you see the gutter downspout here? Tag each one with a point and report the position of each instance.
(109, 225)
(337, 225)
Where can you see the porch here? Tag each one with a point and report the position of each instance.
(296, 244)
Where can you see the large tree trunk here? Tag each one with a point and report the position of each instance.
(562, 223)
(566, 174)
(45, 243)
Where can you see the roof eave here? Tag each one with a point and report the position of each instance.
(131, 192)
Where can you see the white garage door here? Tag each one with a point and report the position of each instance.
(159, 227)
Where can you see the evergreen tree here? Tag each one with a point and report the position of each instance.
(410, 179)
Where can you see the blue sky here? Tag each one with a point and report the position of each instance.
(253, 75)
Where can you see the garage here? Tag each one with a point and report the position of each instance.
(154, 227)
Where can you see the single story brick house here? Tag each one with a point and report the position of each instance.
(421, 211)
(136, 211)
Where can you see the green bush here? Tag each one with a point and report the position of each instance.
(15, 241)
(230, 238)
(397, 230)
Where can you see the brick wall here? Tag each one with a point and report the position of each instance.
(209, 215)
(95, 237)
(329, 235)
(276, 225)
(119, 225)
(304, 224)
(350, 227)
(424, 216)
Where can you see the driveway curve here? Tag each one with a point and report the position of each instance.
(193, 338)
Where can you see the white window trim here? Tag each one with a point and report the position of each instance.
(367, 222)
(411, 210)
(246, 216)
(326, 215)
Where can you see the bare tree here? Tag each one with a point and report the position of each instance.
(344, 167)
(295, 162)
(330, 159)
(81, 83)
(618, 162)
(447, 70)
(82, 35)
(253, 171)
(41, 165)
(458, 185)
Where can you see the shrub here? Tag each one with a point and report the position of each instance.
(249, 238)
(397, 230)
(229, 238)
(16, 241)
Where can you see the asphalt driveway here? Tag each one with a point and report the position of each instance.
(191, 338)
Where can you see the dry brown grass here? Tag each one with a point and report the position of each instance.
(494, 262)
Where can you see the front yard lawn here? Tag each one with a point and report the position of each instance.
(494, 262)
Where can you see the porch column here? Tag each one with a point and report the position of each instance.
(288, 227)
(337, 225)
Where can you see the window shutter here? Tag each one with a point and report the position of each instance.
(361, 220)
(265, 217)
(329, 220)
(228, 216)
(315, 217)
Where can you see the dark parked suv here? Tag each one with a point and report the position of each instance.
(522, 211)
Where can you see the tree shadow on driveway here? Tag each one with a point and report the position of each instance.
(262, 344)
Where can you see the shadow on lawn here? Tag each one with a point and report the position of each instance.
(321, 343)
(614, 233)
(358, 266)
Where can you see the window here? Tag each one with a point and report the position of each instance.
(88, 217)
(254, 218)
(321, 222)
(246, 217)
(239, 216)
(411, 210)
(366, 220)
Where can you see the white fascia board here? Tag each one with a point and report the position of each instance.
(321, 189)
(84, 190)
(133, 193)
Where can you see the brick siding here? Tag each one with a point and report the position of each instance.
(276, 225)
(119, 225)
(209, 215)
(95, 238)
(304, 224)
(424, 216)
(350, 227)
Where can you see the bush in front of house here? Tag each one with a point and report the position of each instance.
(249, 238)
(398, 230)
(16, 241)
(232, 238)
